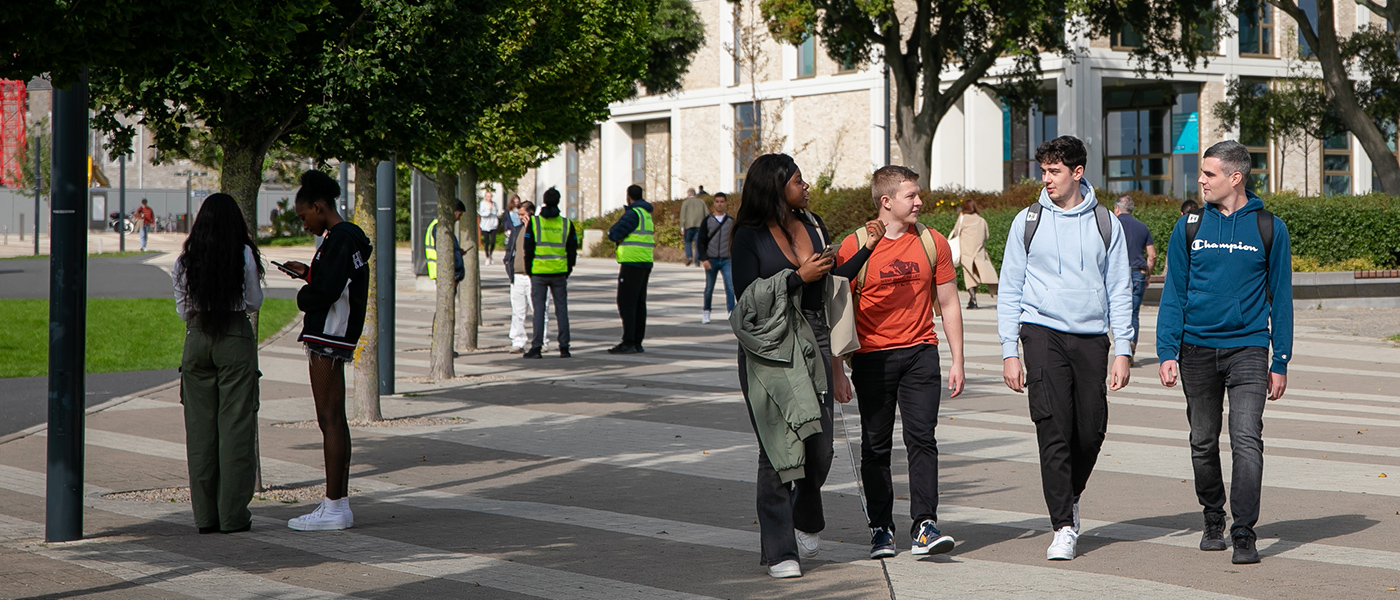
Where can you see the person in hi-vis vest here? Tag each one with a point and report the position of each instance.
(635, 237)
(430, 244)
(551, 248)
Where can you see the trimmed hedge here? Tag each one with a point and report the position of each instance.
(1337, 232)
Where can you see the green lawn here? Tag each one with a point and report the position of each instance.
(122, 334)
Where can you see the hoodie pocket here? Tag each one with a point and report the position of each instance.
(1072, 306)
(1213, 313)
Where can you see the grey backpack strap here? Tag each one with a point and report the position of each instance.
(1032, 222)
(1105, 225)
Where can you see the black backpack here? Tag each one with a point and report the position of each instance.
(1100, 215)
(1265, 222)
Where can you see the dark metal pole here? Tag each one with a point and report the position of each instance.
(38, 186)
(385, 180)
(121, 206)
(67, 312)
(345, 212)
(189, 203)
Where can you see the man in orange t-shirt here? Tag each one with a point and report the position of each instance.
(897, 364)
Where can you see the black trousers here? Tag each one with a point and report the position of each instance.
(783, 507)
(558, 287)
(910, 379)
(632, 300)
(1068, 395)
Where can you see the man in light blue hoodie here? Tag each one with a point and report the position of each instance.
(1229, 278)
(1064, 287)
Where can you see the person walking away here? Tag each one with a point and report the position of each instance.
(520, 305)
(635, 236)
(712, 251)
(972, 232)
(145, 217)
(897, 365)
(1065, 289)
(1142, 257)
(218, 283)
(775, 252)
(693, 214)
(432, 238)
(1228, 298)
(489, 223)
(334, 300)
(551, 249)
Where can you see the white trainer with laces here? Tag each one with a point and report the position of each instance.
(1063, 546)
(808, 544)
(330, 515)
(704, 317)
(785, 569)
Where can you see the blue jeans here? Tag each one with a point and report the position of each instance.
(144, 230)
(718, 266)
(689, 242)
(1139, 290)
(1207, 374)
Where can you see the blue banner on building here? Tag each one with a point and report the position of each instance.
(1186, 133)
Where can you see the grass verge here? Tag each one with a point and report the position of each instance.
(122, 334)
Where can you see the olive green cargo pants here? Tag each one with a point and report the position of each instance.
(219, 388)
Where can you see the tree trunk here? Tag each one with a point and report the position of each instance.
(1348, 106)
(444, 315)
(366, 401)
(241, 177)
(469, 295)
(916, 150)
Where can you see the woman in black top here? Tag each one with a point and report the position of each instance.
(774, 231)
(334, 299)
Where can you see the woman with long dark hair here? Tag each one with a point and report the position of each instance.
(775, 232)
(217, 284)
(333, 299)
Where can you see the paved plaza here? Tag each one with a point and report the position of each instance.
(632, 476)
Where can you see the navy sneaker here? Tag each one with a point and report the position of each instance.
(882, 543)
(930, 540)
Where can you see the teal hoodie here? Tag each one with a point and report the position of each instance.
(1069, 282)
(1215, 293)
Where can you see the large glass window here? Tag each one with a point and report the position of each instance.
(1256, 140)
(738, 40)
(1256, 28)
(571, 180)
(1389, 130)
(1022, 133)
(807, 57)
(1126, 37)
(1336, 165)
(1309, 8)
(1137, 128)
(639, 154)
(748, 120)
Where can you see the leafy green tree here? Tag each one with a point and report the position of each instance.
(921, 40)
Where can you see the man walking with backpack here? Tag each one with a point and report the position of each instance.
(907, 274)
(1228, 298)
(1062, 291)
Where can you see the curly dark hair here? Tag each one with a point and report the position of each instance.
(1066, 150)
(213, 263)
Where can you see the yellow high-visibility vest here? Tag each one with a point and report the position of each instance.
(637, 246)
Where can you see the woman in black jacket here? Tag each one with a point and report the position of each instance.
(775, 231)
(334, 298)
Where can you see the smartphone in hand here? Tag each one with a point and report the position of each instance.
(283, 268)
(830, 251)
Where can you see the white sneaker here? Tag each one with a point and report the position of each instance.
(785, 569)
(1076, 516)
(704, 317)
(808, 544)
(330, 515)
(488, 261)
(1063, 546)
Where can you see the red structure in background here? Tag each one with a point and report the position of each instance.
(12, 134)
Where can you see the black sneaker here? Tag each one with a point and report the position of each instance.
(1213, 539)
(1245, 552)
(882, 543)
(623, 349)
(971, 304)
(639, 348)
(533, 353)
(929, 540)
(564, 352)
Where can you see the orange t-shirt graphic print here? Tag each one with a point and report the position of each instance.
(896, 303)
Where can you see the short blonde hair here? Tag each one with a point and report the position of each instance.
(887, 179)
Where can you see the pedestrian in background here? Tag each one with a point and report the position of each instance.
(551, 249)
(634, 233)
(693, 213)
(521, 306)
(145, 217)
(971, 232)
(1142, 255)
(489, 222)
(333, 299)
(712, 250)
(218, 283)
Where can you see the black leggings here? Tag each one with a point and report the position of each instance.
(328, 390)
(488, 239)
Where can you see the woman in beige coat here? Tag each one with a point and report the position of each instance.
(971, 232)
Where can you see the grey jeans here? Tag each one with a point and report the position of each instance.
(1206, 375)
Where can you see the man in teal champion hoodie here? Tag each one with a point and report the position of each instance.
(1224, 289)
(1062, 293)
